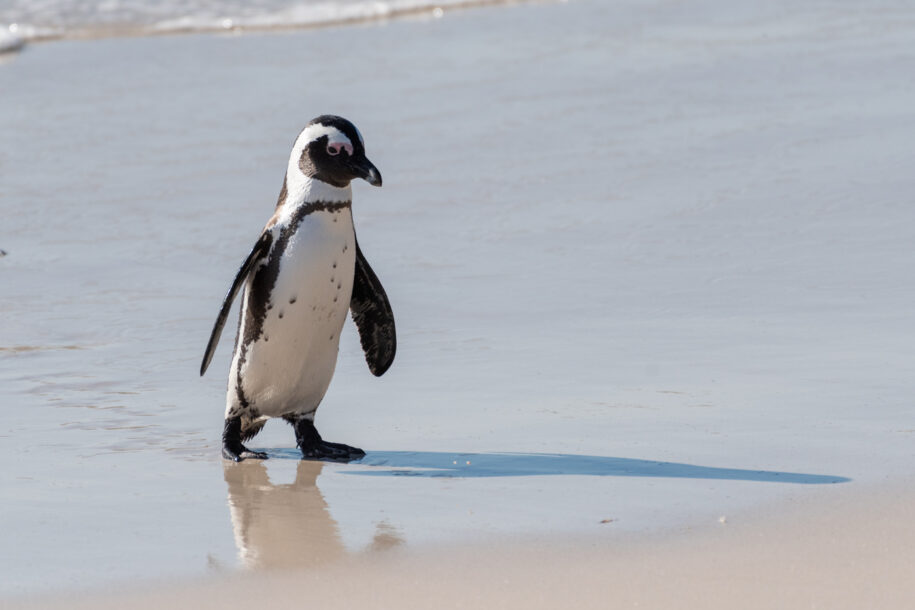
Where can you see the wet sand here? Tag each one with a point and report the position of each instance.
(848, 552)
(650, 265)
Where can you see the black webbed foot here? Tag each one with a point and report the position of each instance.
(315, 448)
(332, 452)
(232, 447)
(240, 452)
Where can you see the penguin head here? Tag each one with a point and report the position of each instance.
(331, 149)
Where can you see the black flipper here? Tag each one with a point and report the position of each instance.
(260, 250)
(373, 317)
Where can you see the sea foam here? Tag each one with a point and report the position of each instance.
(98, 18)
(9, 39)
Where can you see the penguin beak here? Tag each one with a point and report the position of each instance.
(363, 168)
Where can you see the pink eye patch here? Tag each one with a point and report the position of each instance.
(334, 148)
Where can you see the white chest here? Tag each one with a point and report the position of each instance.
(315, 278)
(290, 367)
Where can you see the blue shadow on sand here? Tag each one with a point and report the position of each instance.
(474, 465)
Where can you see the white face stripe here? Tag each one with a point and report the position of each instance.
(313, 132)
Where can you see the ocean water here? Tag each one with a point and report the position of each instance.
(645, 275)
(90, 18)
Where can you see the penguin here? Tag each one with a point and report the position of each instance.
(302, 276)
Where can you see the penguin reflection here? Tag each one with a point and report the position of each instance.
(286, 526)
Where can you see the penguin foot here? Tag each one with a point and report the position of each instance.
(240, 452)
(232, 447)
(332, 452)
(315, 448)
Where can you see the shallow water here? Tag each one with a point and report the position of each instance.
(652, 273)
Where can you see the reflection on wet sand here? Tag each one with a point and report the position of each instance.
(287, 525)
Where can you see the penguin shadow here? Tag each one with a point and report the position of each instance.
(287, 525)
(476, 465)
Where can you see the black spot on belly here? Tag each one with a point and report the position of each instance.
(264, 278)
(281, 314)
(292, 300)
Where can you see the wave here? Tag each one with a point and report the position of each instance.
(9, 41)
(105, 18)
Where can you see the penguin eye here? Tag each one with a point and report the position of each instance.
(333, 149)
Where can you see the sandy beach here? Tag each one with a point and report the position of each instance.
(650, 264)
(855, 554)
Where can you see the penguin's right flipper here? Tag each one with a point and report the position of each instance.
(260, 250)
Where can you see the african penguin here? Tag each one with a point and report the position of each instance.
(299, 280)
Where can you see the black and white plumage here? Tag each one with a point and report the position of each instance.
(302, 276)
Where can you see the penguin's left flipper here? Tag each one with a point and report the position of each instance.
(260, 251)
(373, 317)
